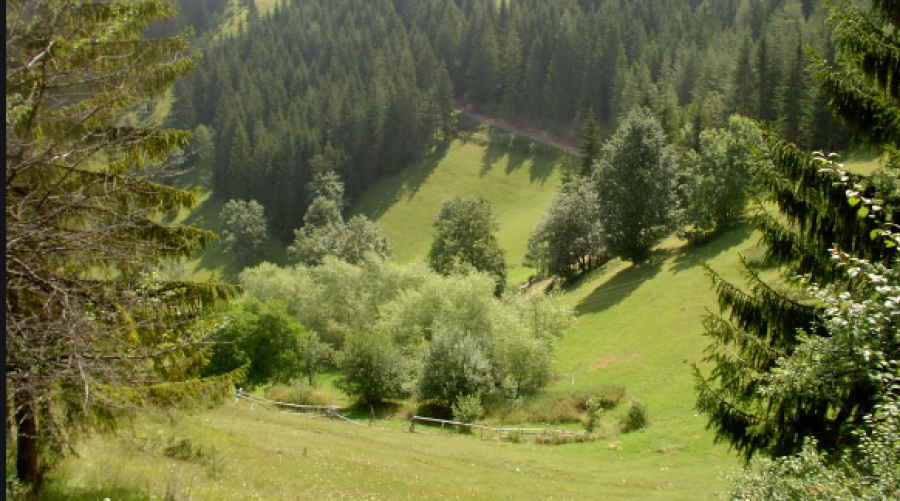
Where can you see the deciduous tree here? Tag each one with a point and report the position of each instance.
(455, 365)
(569, 236)
(263, 337)
(244, 232)
(721, 175)
(635, 187)
(464, 235)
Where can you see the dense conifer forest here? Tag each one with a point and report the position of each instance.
(366, 87)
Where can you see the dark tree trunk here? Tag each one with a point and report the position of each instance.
(26, 440)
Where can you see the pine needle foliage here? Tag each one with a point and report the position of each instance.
(821, 209)
(91, 333)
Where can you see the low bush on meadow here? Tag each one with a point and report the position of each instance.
(296, 394)
(635, 419)
(556, 408)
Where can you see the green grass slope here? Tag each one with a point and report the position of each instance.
(638, 327)
(213, 263)
(269, 455)
(519, 184)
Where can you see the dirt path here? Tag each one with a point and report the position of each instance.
(538, 135)
(538, 288)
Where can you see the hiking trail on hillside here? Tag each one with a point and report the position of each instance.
(538, 135)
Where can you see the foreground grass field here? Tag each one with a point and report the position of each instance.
(274, 456)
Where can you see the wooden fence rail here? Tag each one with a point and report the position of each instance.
(519, 431)
(253, 398)
(331, 411)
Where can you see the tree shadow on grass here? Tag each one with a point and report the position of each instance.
(213, 258)
(692, 255)
(407, 182)
(518, 153)
(363, 412)
(55, 491)
(414, 177)
(623, 284)
(518, 150)
(497, 148)
(543, 163)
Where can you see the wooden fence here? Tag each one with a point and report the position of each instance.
(325, 409)
(499, 433)
(331, 411)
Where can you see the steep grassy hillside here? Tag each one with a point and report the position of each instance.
(863, 161)
(640, 327)
(518, 183)
(213, 263)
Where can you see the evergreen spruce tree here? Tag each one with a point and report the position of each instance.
(512, 76)
(767, 75)
(91, 333)
(590, 145)
(760, 324)
(793, 100)
(744, 87)
(484, 67)
(536, 75)
(443, 99)
(624, 92)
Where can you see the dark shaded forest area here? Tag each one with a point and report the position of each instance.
(332, 85)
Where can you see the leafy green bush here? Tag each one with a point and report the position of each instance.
(299, 394)
(182, 448)
(607, 397)
(468, 409)
(593, 411)
(454, 366)
(635, 419)
(262, 336)
(374, 368)
(565, 408)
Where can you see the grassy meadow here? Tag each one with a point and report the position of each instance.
(863, 162)
(519, 184)
(638, 327)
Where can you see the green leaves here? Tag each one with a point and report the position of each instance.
(326, 234)
(464, 237)
(244, 230)
(635, 187)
